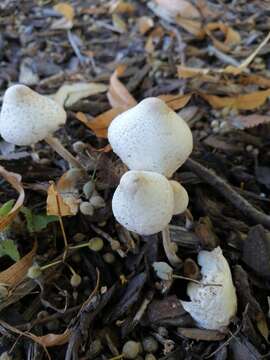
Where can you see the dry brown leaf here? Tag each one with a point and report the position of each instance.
(118, 94)
(232, 37)
(16, 272)
(249, 101)
(66, 10)
(256, 80)
(15, 181)
(194, 27)
(100, 123)
(179, 7)
(262, 326)
(66, 22)
(50, 340)
(122, 7)
(145, 23)
(248, 121)
(185, 72)
(63, 198)
(176, 102)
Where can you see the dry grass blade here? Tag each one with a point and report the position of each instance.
(15, 181)
(51, 340)
(16, 273)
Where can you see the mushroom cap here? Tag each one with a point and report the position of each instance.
(28, 117)
(151, 137)
(180, 197)
(212, 307)
(143, 202)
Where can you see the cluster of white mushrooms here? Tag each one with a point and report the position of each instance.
(153, 141)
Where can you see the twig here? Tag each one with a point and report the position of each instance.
(174, 276)
(222, 57)
(75, 47)
(229, 193)
(167, 244)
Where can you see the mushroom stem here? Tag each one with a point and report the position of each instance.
(63, 152)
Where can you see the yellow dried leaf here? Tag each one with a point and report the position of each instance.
(118, 94)
(66, 10)
(194, 27)
(16, 273)
(241, 102)
(15, 181)
(179, 7)
(231, 39)
(100, 123)
(122, 7)
(176, 102)
(145, 23)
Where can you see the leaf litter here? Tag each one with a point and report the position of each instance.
(209, 62)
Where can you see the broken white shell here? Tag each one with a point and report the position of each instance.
(143, 202)
(151, 137)
(28, 117)
(212, 307)
(180, 197)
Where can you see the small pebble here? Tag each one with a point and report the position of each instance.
(214, 123)
(162, 331)
(95, 348)
(109, 258)
(97, 201)
(96, 244)
(131, 349)
(86, 208)
(150, 357)
(150, 344)
(78, 146)
(88, 189)
(216, 130)
(255, 152)
(249, 148)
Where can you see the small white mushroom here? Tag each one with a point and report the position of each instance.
(180, 197)
(28, 117)
(143, 202)
(212, 307)
(151, 137)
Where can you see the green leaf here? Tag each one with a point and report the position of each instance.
(7, 247)
(6, 208)
(36, 223)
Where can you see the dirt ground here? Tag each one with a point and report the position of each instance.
(75, 284)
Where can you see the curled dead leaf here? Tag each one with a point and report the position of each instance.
(15, 181)
(16, 272)
(249, 101)
(51, 340)
(100, 123)
(63, 198)
(176, 102)
(232, 37)
(118, 94)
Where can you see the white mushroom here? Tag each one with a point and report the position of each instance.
(143, 202)
(180, 197)
(212, 307)
(151, 137)
(28, 117)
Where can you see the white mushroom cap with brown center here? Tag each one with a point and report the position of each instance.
(212, 307)
(143, 202)
(28, 117)
(151, 137)
(180, 197)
